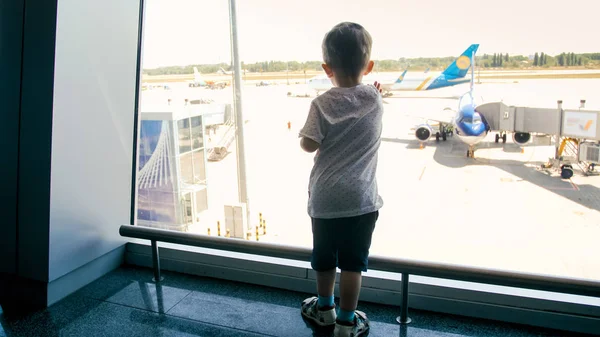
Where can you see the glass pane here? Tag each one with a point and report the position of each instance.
(199, 166)
(501, 208)
(186, 91)
(185, 143)
(186, 167)
(197, 132)
(201, 201)
(157, 195)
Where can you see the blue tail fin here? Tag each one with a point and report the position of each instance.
(460, 67)
(401, 77)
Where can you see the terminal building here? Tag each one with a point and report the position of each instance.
(172, 156)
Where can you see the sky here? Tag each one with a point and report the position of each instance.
(183, 32)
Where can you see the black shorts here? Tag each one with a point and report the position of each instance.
(342, 242)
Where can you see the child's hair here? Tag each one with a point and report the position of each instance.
(347, 48)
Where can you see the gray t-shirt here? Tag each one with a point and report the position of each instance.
(347, 123)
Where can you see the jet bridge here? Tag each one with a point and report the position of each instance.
(576, 130)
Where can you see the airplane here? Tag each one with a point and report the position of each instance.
(222, 71)
(154, 86)
(198, 81)
(386, 84)
(469, 125)
(454, 74)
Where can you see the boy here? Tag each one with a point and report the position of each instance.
(344, 124)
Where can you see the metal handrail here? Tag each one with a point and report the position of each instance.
(406, 267)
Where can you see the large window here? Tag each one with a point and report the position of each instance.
(497, 209)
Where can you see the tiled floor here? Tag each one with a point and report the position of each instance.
(126, 303)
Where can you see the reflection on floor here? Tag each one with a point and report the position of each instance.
(126, 303)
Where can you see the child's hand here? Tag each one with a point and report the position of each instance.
(378, 87)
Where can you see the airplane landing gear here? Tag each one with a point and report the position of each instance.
(501, 135)
(471, 152)
(443, 133)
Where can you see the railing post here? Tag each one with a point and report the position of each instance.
(403, 318)
(155, 262)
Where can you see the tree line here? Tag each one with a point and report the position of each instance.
(564, 59)
(496, 60)
(500, 60)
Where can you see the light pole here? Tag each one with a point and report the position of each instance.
(239, 116)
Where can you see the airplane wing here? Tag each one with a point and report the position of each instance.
(444, 116)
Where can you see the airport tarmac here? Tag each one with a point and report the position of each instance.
(499, 210)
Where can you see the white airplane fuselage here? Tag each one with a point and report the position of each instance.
(410, 82)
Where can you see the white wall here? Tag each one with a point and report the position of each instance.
(92, 136)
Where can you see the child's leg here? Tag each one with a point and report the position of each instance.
(326, 282)
(350, 283)
(325, 287)
(324, 259)
(321, 309)
(355, 237)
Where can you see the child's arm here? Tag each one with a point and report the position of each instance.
(378, 87)
(309, 145)
(314, 130)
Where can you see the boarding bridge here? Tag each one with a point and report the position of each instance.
(172, 162)
(576, 132)
(221, 149)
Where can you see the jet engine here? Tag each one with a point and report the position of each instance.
(521, 138)
(423, 132)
